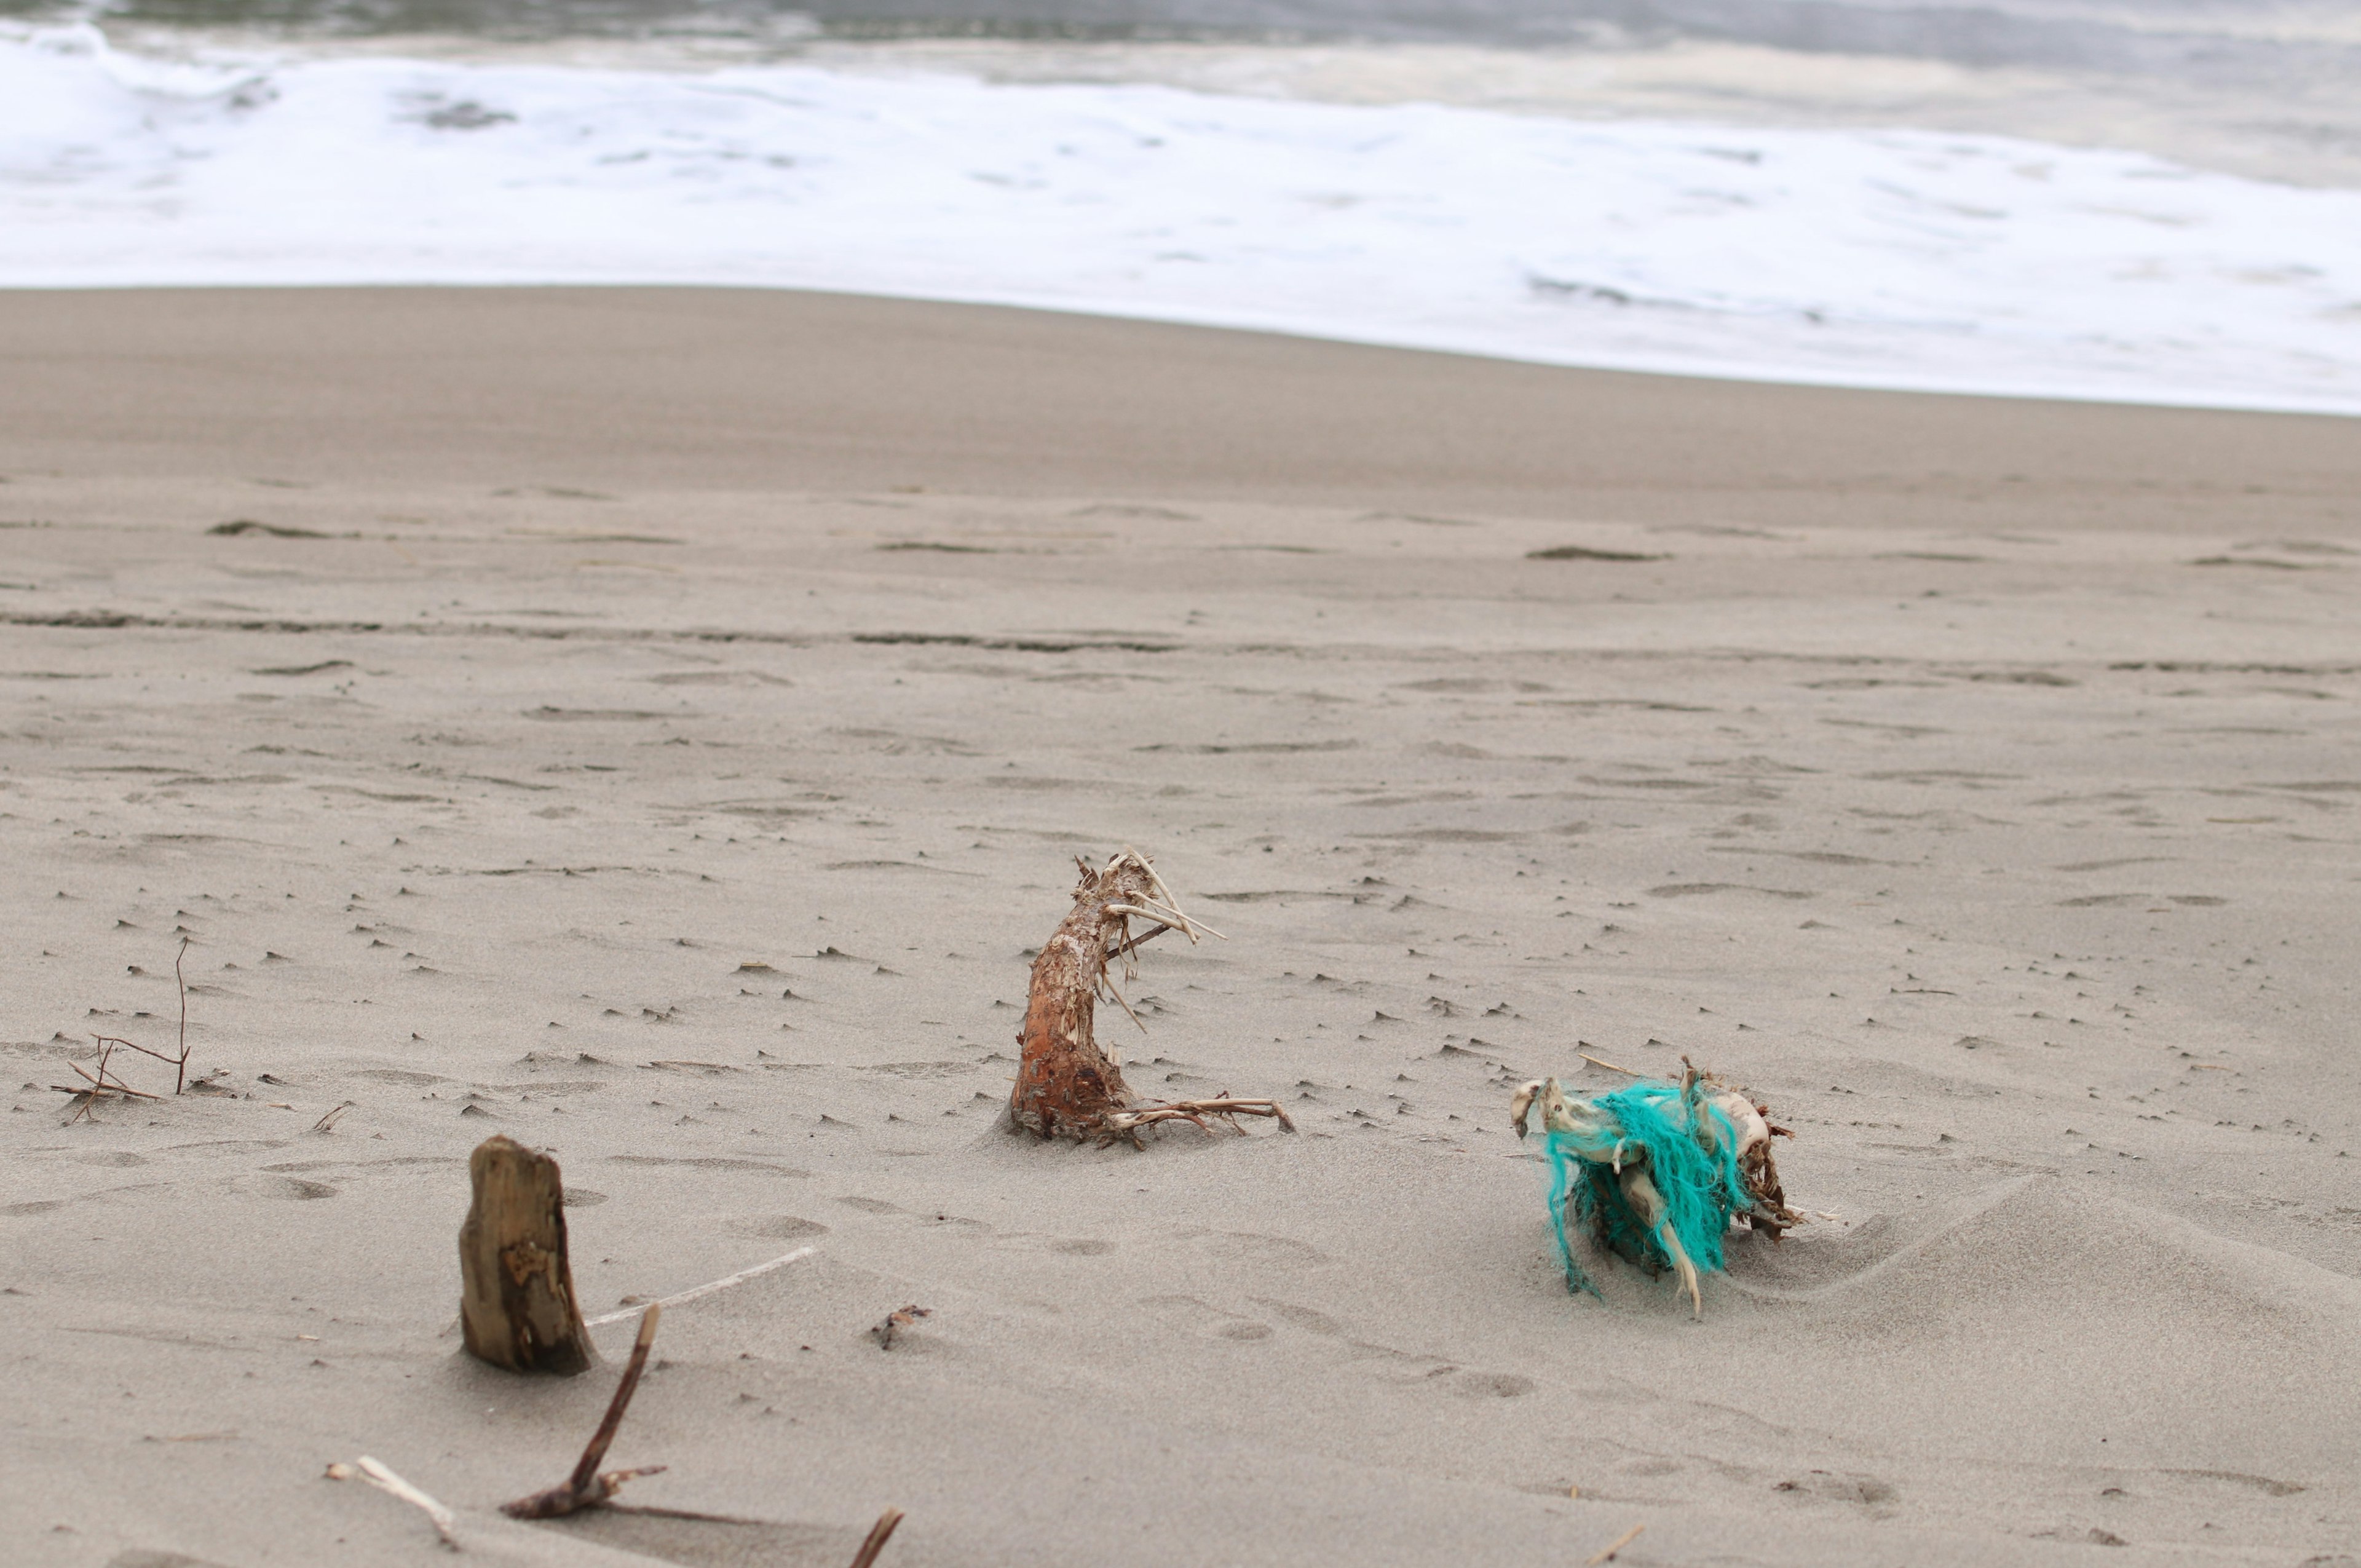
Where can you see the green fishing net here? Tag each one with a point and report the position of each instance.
(1690, 1151)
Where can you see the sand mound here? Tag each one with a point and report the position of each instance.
(2078, 1328)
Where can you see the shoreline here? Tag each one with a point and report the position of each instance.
(714, 389)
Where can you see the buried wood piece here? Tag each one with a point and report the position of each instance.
(897, 1320)
(1661, 1170)
(516, 1302)
(586, 1488)
(1067, 1085)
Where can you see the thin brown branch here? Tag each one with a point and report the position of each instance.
(118, 1087)
(879, 1534)
(1618, 1544)
(110, 1042)
(180, 1068)
(586, 1488)
(1120, 948)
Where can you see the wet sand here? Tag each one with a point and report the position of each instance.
(656, 724)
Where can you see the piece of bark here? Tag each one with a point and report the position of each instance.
(516, 1303)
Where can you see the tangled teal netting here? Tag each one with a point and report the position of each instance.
(1693, 1164)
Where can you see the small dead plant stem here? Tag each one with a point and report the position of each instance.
(104, 1083)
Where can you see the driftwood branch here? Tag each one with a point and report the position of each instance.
(377, 1474)
(586, 1488)
(879, 1534)
(589, 1487)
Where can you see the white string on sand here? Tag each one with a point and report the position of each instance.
(740, 1277)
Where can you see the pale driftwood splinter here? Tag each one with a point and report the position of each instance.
(377, 1474)
(1067, 1086)
(709, 1287)
(516, 1302)
(588, 1488)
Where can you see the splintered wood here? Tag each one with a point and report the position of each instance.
(516, 1303)
(1067, 1086)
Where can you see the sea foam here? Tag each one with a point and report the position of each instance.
(1896, 258)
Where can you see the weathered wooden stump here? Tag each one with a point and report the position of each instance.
(516, 1288)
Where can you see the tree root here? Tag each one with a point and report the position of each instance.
(1067, 1084)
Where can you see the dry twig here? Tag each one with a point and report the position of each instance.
(1618, 1544)
(100, 1085)
(879, 1534)
(586, 1488)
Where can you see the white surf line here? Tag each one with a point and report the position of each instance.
(740, 1277)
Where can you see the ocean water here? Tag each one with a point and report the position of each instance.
(2146, 200)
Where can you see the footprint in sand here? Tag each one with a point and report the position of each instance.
(285, 1188)
(1205, 1320)
(777, 1227)
(1253, 1247)
(1067, 1247)
(1822, 1486)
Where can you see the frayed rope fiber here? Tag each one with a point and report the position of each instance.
(1693, 1163)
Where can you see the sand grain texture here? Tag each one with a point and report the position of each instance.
(683, 798)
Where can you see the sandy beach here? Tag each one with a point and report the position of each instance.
(656, 725)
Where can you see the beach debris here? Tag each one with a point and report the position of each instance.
(516, 1286)
(377, 1474)
(1661, 1170)
(106, 1083)
(588, 1488)
(1067, 1085)
(327, 1124)
(708, 1288)
(1607, 1553)
(879, 1534)
(900, 1318)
